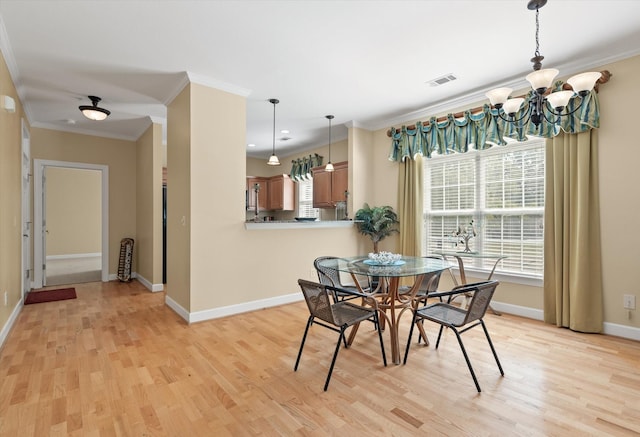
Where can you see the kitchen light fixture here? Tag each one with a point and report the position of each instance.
(273, 159)
(94, 112)
(329, 166)
(541, 80)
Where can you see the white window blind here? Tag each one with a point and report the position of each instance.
(502, 191)
(305, 200)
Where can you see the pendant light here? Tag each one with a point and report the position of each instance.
(329, 166)
(94, 112)
(273, 159)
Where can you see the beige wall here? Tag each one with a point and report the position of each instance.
(229, 264)
(149, 161)
(119, 156)
(73, 211)
(10, 203)
(179, 199)
(619, 182)
(619, 201)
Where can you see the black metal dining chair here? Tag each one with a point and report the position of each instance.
(331, 277)
(459, 320)
(336, 316)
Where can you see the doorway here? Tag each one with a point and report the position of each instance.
(73, 257)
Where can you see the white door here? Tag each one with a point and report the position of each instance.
(26, 210)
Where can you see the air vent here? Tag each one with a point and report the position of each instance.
(442, 80)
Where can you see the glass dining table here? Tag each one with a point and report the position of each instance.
(385, 280)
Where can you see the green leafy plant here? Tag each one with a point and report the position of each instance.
(377, 223)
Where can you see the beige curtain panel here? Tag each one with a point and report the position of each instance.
(410, 195)
(572, 259)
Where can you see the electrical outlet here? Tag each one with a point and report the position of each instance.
(6, 298)
(629, 302)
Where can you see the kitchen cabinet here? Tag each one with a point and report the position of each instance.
(329, 186)
(263, 194)
(276, 193)
(281, 194)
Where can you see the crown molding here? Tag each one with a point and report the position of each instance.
(88, 131)
(478, 95)
(218, 84)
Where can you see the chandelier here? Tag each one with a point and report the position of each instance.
(542, 100)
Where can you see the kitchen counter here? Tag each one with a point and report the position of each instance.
(294, 224)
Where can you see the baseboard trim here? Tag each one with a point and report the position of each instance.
(622, 331)
(517, 310)
(148, 285)
(614, 329)
(4, 333)
(230, 310)
(74, 255)
(216, 313)
(175, 306)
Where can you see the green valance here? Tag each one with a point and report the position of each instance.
(301, 167)
(485, 128)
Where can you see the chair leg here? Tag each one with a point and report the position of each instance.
(384, 355)
(406, 350)
(439, 335)
(333, 361)
(495, 355)
(304, 337)
(466, 357)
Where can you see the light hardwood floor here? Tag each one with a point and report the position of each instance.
(117, 361)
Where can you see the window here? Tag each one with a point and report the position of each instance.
(502, 191)
(305, 200)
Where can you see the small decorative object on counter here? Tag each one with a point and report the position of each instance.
(256, 188)
(463, 234)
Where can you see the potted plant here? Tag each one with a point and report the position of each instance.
(378, 223)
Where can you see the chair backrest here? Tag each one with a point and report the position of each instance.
(482, 294)
(327, 276)
(318, 300)
(431, 281)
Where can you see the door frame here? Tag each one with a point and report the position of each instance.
(27, 227)
(39, 167)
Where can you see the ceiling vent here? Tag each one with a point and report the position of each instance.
(442, 80)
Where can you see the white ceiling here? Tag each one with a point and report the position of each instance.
(366, 62)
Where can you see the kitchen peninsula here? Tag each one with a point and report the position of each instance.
(293, 224)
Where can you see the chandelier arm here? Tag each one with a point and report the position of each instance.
(515, 120)
(560, 114)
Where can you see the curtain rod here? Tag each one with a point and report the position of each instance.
(606, 75)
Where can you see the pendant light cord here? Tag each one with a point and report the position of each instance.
(274, 127)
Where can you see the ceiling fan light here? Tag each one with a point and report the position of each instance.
(584, 82)
(559, 99)
(498, 96)
(94, 112)
(542, 79)
(511, 106)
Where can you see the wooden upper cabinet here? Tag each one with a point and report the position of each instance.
(263, 194)
(276, 193)
(329, 187)
(281, 193)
